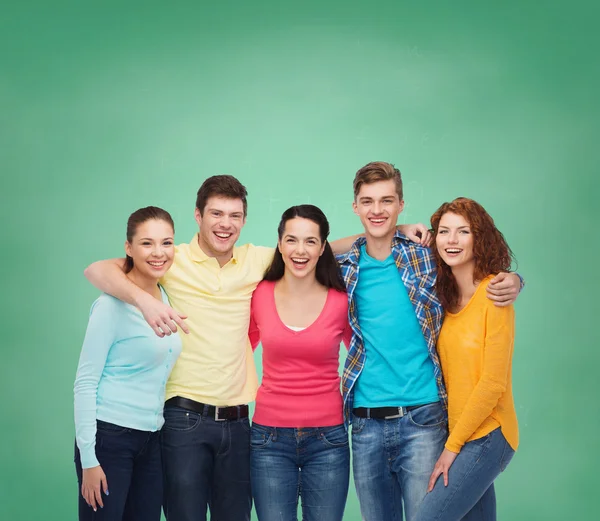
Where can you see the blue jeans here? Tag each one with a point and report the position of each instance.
(470, 492)
(310, 463)
(131, 461)
(205, 463)
(393, 460)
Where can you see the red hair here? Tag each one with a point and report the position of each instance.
(490, 250)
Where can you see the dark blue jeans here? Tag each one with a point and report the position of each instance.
(470, 494)
(310, 463)
(205, 463)
(131, 461)
(393, 459)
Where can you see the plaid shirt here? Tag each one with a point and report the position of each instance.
(418, 272)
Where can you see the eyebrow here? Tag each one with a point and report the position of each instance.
(460, 227)
(149, 239)
(294, 237)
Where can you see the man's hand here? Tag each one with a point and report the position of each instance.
(418, 233)
(92, 486)
(442, 466)
(162, 319)
(504, 289)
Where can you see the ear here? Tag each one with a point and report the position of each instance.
(401, 206)
(128, 248)
(198, 217)
(354, 207)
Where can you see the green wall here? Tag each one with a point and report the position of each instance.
(107, 108)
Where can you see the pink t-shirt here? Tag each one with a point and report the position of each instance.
(301, 382)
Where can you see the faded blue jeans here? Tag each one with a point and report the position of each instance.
(310, 463)
(470, 494)
(393, 460)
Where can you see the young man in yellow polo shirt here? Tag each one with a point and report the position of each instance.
(205, 439)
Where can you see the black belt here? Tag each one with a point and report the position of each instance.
(234, 412)
(384, 413)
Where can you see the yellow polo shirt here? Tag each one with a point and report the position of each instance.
(216, 365)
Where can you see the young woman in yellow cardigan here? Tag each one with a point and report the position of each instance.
(475, 348)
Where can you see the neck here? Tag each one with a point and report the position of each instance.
(221, 258)
(294, 285)
(148, 284)
(380, 248)
(463, 275)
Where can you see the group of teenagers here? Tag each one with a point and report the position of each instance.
(166, 370)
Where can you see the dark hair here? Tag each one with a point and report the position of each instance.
(224, 186)
(375, 172)
(490, 249)
(140, 217)
(327, 270)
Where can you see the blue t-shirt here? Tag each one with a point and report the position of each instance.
(398, 371)
(122, 372)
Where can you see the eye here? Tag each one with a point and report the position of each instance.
(167, 243)
(465, 232)
(442, 232)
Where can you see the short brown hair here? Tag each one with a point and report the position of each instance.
(224, 186)
(375, 172)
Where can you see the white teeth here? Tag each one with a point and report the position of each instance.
(377, 220)
(223, 235)
(453, 251)
(156, 263)
(300, 261)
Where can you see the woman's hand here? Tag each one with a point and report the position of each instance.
(442, 466)
(92, 486)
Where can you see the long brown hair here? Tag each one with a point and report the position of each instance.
(490, 250)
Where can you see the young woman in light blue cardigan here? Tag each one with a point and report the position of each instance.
(120, 386)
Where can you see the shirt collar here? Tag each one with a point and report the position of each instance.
(199, 256)
(353, 255)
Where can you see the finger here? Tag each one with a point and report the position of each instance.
(427, 238)
(498, 278)
(98, 496)
(445, 477)
(434, 475)
(91, 499)
(503, 297)
(105, 485)
(179, 318)
(156, 328)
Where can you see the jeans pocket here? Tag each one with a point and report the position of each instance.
(334, 436)
(430, 415)
(358, 424)
(260, 437)
(177, 419)
(110, 429)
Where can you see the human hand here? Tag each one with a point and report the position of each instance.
(163, 319)
(442, 467)
(504, 289)
(418, 233)
(92, 486)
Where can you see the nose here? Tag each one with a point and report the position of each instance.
(453, 238)
(377, 207)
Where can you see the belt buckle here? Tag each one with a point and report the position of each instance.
(393, 416)
(217, 419)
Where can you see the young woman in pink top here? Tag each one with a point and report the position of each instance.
(299, 446)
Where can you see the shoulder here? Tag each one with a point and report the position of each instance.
(261, 252)
(106, 303)
(492, 311)
(264, 288)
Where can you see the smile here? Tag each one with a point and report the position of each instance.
(300, 262)
(223, 235)
(157, 264)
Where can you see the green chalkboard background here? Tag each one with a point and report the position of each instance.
(109, 106)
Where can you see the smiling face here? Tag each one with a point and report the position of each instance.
(220, 225)
(454, 240)
(301, 247)
(378, 206)
(152, 248)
